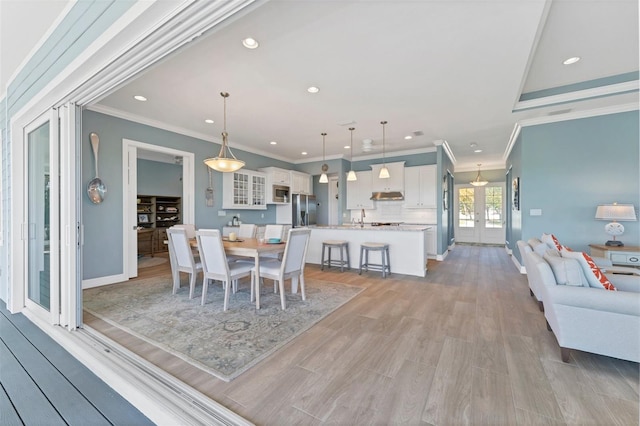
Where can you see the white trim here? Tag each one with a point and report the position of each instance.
(485, 167)
(39, 44)
(100, 281)
(580, 95)
(447, 150)
(128, 202)
(521, 268)
(512, 141)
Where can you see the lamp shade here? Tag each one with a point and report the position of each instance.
(479, 180)
(225, 162)
(617, 212)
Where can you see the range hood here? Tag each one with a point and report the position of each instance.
(387, 196)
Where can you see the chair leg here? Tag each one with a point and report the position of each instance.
(227, 288)
(205, 286)
(564, 354)
(282, 301)
(253, 283)
(304, 297)
(176, 281)
(192, 284)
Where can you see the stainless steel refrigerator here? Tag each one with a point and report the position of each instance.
(303, 210)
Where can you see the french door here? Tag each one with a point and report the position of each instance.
(480, 213)
(41, 230)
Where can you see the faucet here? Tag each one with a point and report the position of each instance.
(362, 216)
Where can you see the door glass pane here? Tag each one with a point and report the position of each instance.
(493, 207)
(466, 214)
(38, 213)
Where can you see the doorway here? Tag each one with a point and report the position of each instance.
(130, 157)
(480, 213)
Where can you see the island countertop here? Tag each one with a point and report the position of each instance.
(407, 244)
(369, 227)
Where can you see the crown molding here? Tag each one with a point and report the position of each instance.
(580, 95)
(447, 150)
(376, 156)
(180, 130)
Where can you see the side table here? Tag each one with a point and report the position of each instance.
(625, 255)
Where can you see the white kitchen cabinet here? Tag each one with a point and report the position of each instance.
(420, 187)
(395, 181)
(359, 192)
(244, 189)
(300, 183)
(277, 176)
(432, 242)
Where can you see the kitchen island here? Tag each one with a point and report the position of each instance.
(407, 245)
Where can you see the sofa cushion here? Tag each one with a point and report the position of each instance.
(595, 276)
(567, 271)
(551, 241)
(538, 246)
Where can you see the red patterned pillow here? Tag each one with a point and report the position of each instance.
(594, 275)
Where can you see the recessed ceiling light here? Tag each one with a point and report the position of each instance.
(571, 60)
(273, 143)
(408, 137)
(250, 43)
(304, 153)
(347, 146)
(477, 150)
(140, 98)
(208, 121)
(313, 89)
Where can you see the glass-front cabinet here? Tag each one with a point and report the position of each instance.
(244, 189)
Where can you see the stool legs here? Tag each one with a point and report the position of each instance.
(329, 261)
(385, 266)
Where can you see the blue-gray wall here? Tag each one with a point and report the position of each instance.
(568, 168)
(157, 178)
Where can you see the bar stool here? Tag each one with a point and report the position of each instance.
(383, 248)
(343, 246)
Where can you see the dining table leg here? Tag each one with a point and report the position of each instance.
(257, 283)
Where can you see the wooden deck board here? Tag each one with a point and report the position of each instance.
(44, 380)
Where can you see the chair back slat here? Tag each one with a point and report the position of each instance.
(273, 231)
(247, 230)
(296, 250)
(212, 255)
(181, 249)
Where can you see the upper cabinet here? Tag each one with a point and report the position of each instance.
(244, 189)
(420, 187)
(300, 183)
(359, 192)
(395, 181)
(277, 176)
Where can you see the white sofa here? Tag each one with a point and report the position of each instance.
(586, 318)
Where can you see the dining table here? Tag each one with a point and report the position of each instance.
(250, 247)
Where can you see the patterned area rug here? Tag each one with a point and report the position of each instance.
(224, 344)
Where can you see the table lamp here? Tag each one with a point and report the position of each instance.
(615, 212)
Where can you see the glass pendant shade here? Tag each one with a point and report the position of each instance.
(384, 172)
(479, 180)
(351, 176)
(325, 167)
(225, 162)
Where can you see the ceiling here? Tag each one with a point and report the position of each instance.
(435, 70)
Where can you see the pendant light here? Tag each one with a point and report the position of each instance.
(225, 161)
(479, 180)
(384, 172)
(351, 176)
(325, 167)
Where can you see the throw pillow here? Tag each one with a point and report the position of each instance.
(538, 246)
(594, 275)
(551, 241)
(567, 271)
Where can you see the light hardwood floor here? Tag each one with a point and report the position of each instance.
(465, 345)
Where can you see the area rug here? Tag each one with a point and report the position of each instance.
(224, 344)
(147, 262)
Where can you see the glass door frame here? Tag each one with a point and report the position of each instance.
(480, 234)
(53, 314)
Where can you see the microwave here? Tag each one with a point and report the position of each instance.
(281, 194)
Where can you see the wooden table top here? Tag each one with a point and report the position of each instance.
(615, 248)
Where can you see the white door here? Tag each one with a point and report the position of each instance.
(41, 229)
(480, 214)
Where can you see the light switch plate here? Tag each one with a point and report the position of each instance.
(535, 212)
(222, 213)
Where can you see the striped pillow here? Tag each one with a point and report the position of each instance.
(594, 275)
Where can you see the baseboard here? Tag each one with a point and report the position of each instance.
(521, 268)
(97, 282)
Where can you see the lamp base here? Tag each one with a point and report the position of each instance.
(614, 243)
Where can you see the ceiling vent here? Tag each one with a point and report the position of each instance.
(418, 133)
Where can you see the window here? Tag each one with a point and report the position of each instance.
(466, 214)
(493, 207)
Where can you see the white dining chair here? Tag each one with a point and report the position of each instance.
(182, 259)
(189, 227)
(290, 267)
(272, 231)
(247, 230)
(215, 265)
